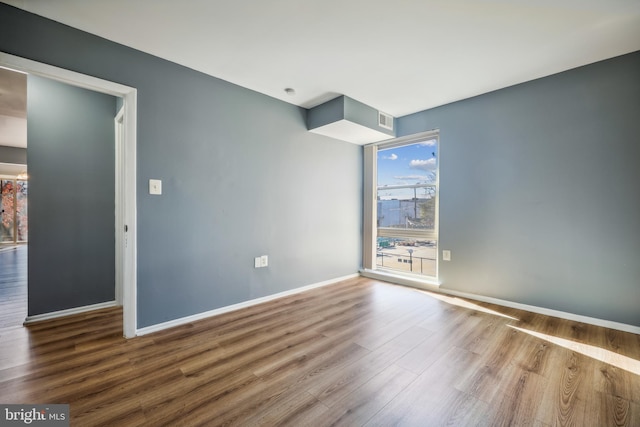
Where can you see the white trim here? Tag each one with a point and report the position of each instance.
(69, 77)
(547, 311)
(429, 285)
(401, 279)
(370, 208)
(128, 170)
(118, 123)
(406, 140)
(68, 312)
(370, 229)
(188, 319)
(129, 204)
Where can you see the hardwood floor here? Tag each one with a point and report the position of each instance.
(360, 352)
(13, 285)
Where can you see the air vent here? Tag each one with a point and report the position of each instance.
(385, 121)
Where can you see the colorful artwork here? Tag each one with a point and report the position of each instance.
(13, 209)
(21, 210)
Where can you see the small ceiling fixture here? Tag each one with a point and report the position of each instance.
(290, 91)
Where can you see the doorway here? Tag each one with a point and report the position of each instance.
(126, 199)
(13, 199)
(13, 251)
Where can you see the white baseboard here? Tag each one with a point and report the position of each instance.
(68, 312)
(188, 319)
(10, 247)
(547, 311)
(435, 287)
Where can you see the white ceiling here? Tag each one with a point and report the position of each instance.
(11, 170)
(399, 57)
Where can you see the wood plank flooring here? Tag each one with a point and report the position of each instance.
(356, 353)
(13, 285)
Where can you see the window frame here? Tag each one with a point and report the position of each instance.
(370, 208)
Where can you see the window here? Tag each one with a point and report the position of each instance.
(13, 211)
(401, 220)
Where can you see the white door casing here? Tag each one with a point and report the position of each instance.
(125, 122)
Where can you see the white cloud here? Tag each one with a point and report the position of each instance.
(391, 157)
(429, 143)
(427, 165)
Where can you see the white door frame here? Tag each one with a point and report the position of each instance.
(125, 170)
(118, 122)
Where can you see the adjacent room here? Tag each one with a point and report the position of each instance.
(321, 213)
(14, 188)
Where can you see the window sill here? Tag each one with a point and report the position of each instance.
(412, 280)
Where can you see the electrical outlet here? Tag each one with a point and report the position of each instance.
(264, 260)
(257, 262)
(446, 255)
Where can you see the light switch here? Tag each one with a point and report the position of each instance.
(155, 186)
(257, 262)
(264, 260)
(446, 255)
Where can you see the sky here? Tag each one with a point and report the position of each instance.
(409, 164)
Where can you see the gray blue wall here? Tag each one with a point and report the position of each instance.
(71, 155)
(540, 191)
(539, 184)
(345, 108)
(15, 155)
(241, 175)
